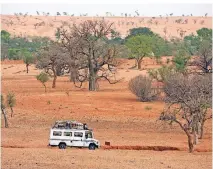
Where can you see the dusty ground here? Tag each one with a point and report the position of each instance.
(114, 114)
(166, 27)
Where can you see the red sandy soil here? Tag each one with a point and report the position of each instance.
(24, 26)
(114, 114)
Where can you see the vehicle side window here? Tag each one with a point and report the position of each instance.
(57, 133)
(78, 134)
(67, 133)
(88, 135)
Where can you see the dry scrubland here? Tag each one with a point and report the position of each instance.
(113, 112)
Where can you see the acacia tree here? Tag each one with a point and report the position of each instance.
(140, 46)
(4, 112)
(53, 59)
(204, 60)
(188, 98)
(95, 56)
(205, 33)
(181, 58)
(139, 31)
(28, 58)
(11, 101)
(201, 45)
(162, 73)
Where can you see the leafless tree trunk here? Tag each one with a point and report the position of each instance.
(190, 143)
(11, 111)
(27, 66)
(201, 130)
(195, 136)
(139, 63)
(54, 81)
(92, 80)
(73, 74)
(5, 117)
(45, 88)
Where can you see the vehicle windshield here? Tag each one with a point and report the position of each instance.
(88, 134)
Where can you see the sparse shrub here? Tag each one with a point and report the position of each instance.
(43, 78)
(167, 61)
(202, 22)
(148, 108)
(11, 101)
(162, 73)
(48, 102)
(159, 62)
(141, 87)
(68, 93)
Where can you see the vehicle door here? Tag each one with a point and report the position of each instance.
(87, 139)
(68, 138)
(78, 139)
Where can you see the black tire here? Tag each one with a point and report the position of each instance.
(62, 146)
(92, 147)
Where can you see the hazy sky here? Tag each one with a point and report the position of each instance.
(116, 9)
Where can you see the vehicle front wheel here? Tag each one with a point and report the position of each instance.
(62, 146)
(92, 147)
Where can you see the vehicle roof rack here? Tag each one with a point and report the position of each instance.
(69, 124)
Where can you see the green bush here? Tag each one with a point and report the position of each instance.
(43, 78)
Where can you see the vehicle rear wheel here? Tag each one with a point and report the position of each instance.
(92, 147)
(62, 146)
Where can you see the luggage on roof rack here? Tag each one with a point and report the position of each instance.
(68, 124)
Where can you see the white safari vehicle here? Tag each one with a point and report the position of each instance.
(72, 134)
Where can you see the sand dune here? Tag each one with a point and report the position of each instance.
(167, 27)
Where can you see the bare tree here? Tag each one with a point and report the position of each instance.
(149, 21)
(165, 31)
(97, 56)
(4, 112)
(188, 98)
(53, 59)
(185, 21)
(202, 22)
(137, 13)
(178, 20)
(182, 33)
(65, 13)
